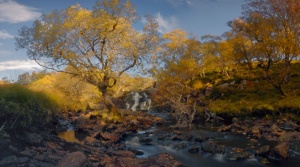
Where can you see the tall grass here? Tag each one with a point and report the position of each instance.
(22, 108)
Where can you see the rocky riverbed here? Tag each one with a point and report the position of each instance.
(82, 139)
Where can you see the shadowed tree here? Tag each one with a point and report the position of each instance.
(96, 45)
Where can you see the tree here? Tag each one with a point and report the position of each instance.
(96, 45)
(180, 66)
(273, 26)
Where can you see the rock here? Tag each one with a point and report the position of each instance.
(23, 159)
(232, 83)
(74, 159)
(200, 139)
(36, 163)
(194, 150)
(264, 161)
(122, 153)
(209, 146)
(235, 120)
(145, 141)
(180, 146)
(28, 153)
(136, 151)
(33, 139)
(13, 148)
(110, 137)
(92, 141)
(263, 151)
(280, 151)
(224, 85)
(165, 160)
(9, 161)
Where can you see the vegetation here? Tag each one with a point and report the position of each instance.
(23, 108)
(253, 69)
(95, 46)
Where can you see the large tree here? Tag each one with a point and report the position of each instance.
(273, 26)
(96, 45)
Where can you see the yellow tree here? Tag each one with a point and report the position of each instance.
(273, 26)
(180, 61)
(96, 45)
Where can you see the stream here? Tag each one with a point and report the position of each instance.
(160, 139)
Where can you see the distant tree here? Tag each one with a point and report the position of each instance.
(96, 45)
(27, 78)
(273, 28)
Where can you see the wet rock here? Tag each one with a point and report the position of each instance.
(92, 141)
(53, 159)
(33, 139)
(264, 161)
(263, 151)
(36, 163)
(180, 146)
(74, 159)
(194, 150)
(121, 153)
(28, 153)
(146, 141)
(166, 160)
(23, 159)
(13, 148)
(280, 151)
(9, 161)
(237, 154)
(136, 151)
(110, 137)
(209, 146)
(200, 139)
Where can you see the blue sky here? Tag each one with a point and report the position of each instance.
(198, 17)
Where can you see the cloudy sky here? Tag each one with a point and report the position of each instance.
(198, 17)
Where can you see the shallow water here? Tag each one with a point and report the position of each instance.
(200, 159)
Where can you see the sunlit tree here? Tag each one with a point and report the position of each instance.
(273, 26)
(96, 45)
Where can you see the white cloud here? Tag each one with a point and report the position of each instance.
(5, 35)
(166, 24)
(1, 44)
(26, 65)
(13, 12)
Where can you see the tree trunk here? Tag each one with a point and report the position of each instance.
(280, 89)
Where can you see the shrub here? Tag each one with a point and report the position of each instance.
(22, 108)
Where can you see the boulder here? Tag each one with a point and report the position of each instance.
(166, 160)
(280, 151)
(74, 159)
(209, 146)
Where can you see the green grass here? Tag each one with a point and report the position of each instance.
(22, 108)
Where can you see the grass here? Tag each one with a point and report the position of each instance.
(255, 98)
(22, 108)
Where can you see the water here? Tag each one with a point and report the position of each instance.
(200, 159)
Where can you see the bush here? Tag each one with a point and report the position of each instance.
(22, 108)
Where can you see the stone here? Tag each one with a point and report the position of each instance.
(136, 151)
(9, 161)
(180, 146)
(121, 153)
(194, 150)
(110, 136)
(263, 151)
(92, 141)
(33, 139)
(23, 159)
(209, 146)
(74, 159)
(280, 151)
(166, 160)
(36, 163)
(28, 153)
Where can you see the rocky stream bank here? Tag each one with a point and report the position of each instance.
(127, 144)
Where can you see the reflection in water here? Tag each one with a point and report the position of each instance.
(72, 136)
